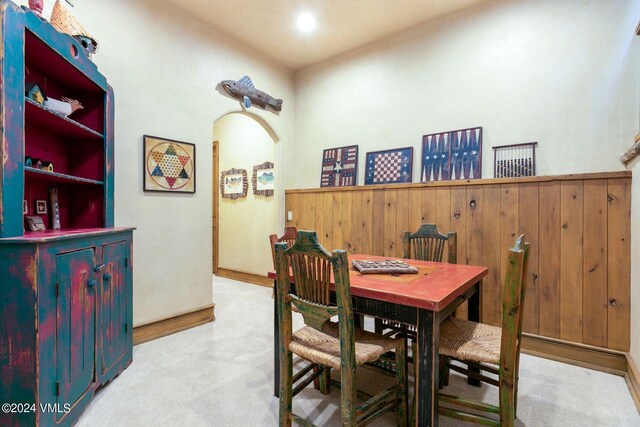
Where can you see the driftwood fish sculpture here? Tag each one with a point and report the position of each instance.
(245, 90)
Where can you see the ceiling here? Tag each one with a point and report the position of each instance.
(342, 25)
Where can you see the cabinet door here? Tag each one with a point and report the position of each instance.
(114, 303)
(75, 331)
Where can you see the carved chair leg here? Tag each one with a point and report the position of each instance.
(286, 391)
(316, 380)
(325, 383)
(507, 404)
(377, 325)
(444, 371)
(348, 395)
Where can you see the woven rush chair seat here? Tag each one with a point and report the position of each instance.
(466, 340)
(323, 347)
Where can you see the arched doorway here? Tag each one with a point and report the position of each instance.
(241, 226)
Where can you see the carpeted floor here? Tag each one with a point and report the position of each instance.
(221, 374)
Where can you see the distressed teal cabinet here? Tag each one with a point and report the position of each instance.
(65, 321)
(66, 290)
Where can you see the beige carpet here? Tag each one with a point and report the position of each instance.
(221, 374)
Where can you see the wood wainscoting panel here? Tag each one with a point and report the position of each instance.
(619, 256)
(549, 258)
(578, 285)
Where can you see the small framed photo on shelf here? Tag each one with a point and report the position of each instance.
(25, 208)
(41, 207)
(169, 165)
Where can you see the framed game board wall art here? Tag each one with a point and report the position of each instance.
(169, 165)
(339, 167)
(389, 166)
(452, 155)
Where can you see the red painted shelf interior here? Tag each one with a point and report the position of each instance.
(57, 78)
(75, 144)
(57, 123)
(59, 177)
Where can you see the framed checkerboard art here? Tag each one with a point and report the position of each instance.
(389, 166)
(339, 167)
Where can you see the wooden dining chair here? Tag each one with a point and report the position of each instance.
(491, 349)
(289, 236)
(329, 345)
(426, 244)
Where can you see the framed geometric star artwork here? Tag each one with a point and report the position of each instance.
(169, 166)
(452, 155)
(389, 166)
(339, 167)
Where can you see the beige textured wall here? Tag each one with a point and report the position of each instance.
(563, 73)
(164, 66)
(245, 223)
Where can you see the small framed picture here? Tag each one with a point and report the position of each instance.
(263, 179)
(41, 207)
(25, 209)
(233, 183)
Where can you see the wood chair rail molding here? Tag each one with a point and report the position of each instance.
(578, 226)
(468, 182)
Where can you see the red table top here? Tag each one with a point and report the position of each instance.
(433, 287)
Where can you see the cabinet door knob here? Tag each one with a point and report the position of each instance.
(107, 277)
(92, 283)
(99, 268)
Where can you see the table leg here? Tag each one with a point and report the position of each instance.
(474, 315)
(276, 343)
(428, 334)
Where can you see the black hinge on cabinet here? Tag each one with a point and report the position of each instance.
(57, 389)
(57, 290)
(126, 328)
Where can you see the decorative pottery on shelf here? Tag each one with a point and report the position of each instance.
(36, 7)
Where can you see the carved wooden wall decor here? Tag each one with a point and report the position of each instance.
(263, 179)
(233, 183)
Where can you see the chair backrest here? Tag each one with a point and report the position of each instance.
(311, 266)
(289, 236)
(427, 244)
(512, 307)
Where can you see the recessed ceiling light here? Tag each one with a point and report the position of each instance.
(306, 22)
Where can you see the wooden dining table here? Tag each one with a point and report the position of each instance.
(422, 299)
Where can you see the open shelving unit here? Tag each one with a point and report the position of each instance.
(76, 144)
